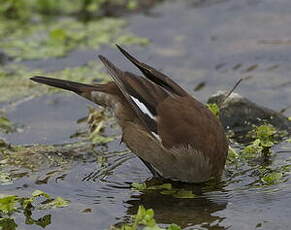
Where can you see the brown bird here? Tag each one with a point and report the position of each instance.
(176, 136)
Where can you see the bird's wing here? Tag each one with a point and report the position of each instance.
(142, 95)
(154, 75)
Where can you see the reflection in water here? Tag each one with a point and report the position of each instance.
(198, 211)
(107, 167)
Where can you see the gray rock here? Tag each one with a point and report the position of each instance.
(240, 114)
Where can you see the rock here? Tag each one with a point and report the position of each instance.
(240, 114)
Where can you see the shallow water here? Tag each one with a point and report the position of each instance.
(211, 42)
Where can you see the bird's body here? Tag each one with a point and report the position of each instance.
(175, 135)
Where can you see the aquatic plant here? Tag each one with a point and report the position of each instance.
(11, 204)
(144, 219)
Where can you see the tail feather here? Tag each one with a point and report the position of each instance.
(76, 87)
(154, 75)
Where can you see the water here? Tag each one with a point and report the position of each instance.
(213, 43)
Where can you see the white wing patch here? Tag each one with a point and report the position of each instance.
(143, 108)
(156, 136)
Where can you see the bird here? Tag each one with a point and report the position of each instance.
(176, 137)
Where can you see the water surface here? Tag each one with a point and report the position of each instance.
(212, 43)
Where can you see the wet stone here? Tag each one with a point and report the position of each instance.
(240, 115)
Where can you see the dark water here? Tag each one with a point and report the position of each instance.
(197, 42)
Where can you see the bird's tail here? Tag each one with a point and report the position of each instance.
(76, 87)
(84, 90)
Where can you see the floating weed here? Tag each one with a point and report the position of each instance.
(129, 38)
(165, 189)
(38, 193)
(265, 133)
(3, 144)
(263, 140)
(30, 157)
(40, 156)
(253, 149)
(144, 218)
(139, 186)
(58, 37)
(213, 107)
(8, 223)
(5, 178)
(272, 178)
(24, 10)
(88, 73)
(257, 160)
(143, 186)
(15, 81)
(132, 4)
(96, 138)
(268, 175)
(58, 202)
(6, 125)
(97, 122)
(232, 155)
(10, 204)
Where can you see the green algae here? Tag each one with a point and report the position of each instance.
(84, 9)
(144, 219)
(8, 223)
(30, 157)
(19, 161)
(11, 205)
(263, 136)
(6, 126)
(165, 189)
(15, 83)
(40, 29)
(214, 109)
(144, 186)
(58, 37)
(36, 157)
(232, 155)
(86, 73)
(260, 157)
(27, 33)
(272, 178)
(97, 120)
(27, 159)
